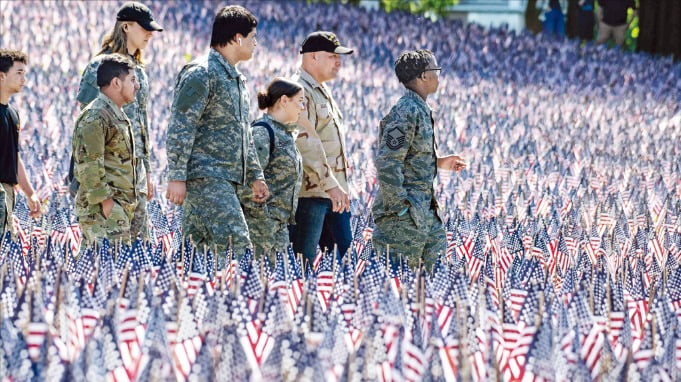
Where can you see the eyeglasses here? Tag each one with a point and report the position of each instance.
(438, 70)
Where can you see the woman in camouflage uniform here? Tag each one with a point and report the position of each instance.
(130, 35)
(274, 135)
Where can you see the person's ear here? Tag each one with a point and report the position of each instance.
(3, 76)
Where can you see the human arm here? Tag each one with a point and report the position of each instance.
(315, 164)
(88, 150)
(451, 163)
(191, 97)
(25, 185)
(398, 129)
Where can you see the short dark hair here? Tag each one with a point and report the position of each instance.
(113, 66)
(9, 57)
(276, 89)
(229, 21)
(411, 64)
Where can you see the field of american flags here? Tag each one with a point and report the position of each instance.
(564, 233)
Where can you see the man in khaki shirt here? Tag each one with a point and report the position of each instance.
(323, 214)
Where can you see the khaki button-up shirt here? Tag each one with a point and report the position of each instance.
(322, 142)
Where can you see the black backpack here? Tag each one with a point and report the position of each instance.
(270, 132)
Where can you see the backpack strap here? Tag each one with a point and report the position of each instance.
(270, 132)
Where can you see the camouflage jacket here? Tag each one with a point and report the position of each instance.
(209, 133)
(406, 162)
(283, 171)
(136, 111)
(104, 157)
(322, 144)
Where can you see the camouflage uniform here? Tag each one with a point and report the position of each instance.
(283, 169)
(406, 164)
(139, 118)
(325, 164)
(7, 202)
(210, 146)
(323, 150)
(105, 163)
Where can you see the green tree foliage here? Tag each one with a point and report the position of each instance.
(429, 7)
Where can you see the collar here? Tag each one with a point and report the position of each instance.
(117, 111)
(232, 71)
(287, 128)
(305, 76)
(412, 95)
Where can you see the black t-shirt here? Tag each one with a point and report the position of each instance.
(615, 11)
(9, 145)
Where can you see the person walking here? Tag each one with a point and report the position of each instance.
(210, 145)
(105, 164)
(406, 210)
(134, 28)
(274, 137)
(12, 171)
(323, 213)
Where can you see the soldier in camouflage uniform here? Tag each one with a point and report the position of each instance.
(134, 27)
(323, 214)
(210, 146)
(405, 211)
(274, 136)
(104, 155)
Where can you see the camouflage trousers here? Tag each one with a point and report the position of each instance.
(138, 225)
(212, 215)
(116, 227)
(402, 236)
(7, 202)
(268, 235)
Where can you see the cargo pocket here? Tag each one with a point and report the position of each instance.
(118, 217)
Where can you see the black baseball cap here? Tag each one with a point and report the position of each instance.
(134, 11)
(322, 41)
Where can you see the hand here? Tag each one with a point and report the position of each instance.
(451, 163)
(260, 191)
(34, 206)
(176, 192)
(107, 206)
(339, 200)
(150, 188)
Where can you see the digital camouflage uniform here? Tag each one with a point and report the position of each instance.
(283, 170)
(406, 164)
(7, 203)
(139, 118)
(210, 146)
(105, 167)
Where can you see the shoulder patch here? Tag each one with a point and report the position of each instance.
(191, 90)
(395, 138)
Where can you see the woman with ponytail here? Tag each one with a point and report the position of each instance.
(274, 135)
(134, 27)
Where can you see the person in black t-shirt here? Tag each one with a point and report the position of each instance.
(12, 171)
(613, 20)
